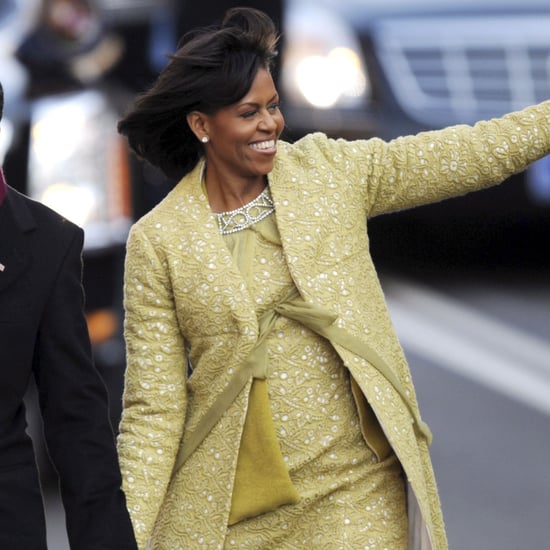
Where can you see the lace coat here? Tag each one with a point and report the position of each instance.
(186, 300)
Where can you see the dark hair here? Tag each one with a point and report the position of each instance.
(214, 67)
(1, 101)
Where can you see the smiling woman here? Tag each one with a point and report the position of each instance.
(268, 403)
(241, 145)
(210, 74)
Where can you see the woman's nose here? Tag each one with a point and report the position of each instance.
(268, 122)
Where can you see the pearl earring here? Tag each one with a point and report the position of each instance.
(204, 139)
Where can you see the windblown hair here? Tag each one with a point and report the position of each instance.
(213, 67)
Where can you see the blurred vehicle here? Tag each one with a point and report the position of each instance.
(69, 68)
(386, 68)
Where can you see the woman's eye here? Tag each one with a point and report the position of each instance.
(272, 108)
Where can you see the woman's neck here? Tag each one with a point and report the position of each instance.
(232, 193)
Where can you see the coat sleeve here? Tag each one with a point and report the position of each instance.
(430, 166)
(74, 406)
(154, 402)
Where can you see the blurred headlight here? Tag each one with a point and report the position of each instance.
(79, 167)
(322, 62)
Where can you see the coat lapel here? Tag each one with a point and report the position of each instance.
(292, 199)
(15, 220)
(199, 236)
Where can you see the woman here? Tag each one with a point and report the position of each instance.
(268, 403)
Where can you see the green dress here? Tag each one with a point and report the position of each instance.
(348, 498)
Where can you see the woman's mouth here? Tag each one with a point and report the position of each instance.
(264, 146)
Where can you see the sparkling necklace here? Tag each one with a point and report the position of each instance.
(247, 215)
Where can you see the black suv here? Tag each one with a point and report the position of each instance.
(357, 68)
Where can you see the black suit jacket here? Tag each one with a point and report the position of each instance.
(43, 333)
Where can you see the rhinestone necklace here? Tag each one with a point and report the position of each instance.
(247, 215)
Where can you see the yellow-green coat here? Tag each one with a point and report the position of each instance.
(185, 299)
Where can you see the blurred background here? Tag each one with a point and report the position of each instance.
(467, 280)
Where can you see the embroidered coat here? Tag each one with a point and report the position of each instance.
(186, 300)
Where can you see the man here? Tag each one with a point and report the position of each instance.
(43, 333)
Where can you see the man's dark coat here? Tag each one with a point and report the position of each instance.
(43, 332)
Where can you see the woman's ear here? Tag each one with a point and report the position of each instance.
(197, 123)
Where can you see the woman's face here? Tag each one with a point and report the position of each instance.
(243, 137)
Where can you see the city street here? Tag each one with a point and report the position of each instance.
(491, 429)
(471, 306)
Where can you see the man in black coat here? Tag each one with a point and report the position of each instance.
(43, 333)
